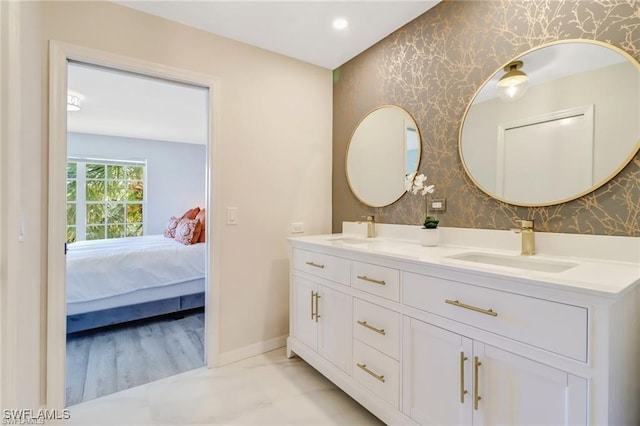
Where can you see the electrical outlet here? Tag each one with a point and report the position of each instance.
(297, 228)
(438, 204)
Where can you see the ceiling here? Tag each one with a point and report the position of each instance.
(299, 29)
(127, 105)
(555, 62)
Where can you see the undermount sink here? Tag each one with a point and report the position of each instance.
(532, 264)
(352, 240)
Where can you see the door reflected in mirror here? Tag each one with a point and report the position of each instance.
(384, 147)
(574, 129)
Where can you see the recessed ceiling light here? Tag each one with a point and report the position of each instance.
(340, 23)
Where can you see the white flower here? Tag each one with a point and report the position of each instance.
(415, 184)
(428, 189)
(408, 181)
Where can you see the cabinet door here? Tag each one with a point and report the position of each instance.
(436, 369)
(304, 325)
(334, 327)
(518, 391)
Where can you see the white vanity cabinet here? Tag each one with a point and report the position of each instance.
(419, 341)
(450, 379)
(320, 312)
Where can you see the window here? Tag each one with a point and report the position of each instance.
(105, 199)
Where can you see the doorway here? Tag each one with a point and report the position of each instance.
(136, 157)
(61, 55)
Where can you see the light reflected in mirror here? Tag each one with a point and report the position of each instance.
(574, 129)
(383, 148)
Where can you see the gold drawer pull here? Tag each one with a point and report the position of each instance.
(473, 308)
(371, 280)
(476, 397)
(370, 327)
(317, 312)
(463, 392)
(315, 265)
(371, 373)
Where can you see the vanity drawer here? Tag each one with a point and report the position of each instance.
(377, 326)
(322, 265)
(553, 326)
(377, 372)
(375, 279)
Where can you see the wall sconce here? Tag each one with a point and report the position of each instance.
(73, 103)
(513, 84)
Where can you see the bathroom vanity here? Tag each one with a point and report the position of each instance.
(471, 332)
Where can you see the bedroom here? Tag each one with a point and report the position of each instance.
(136, 157)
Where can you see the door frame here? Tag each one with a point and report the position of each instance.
(60, 54)
(10, 199)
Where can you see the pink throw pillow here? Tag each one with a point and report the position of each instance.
(191, 213)
(202, 218)
(170, 230)
(188, 231)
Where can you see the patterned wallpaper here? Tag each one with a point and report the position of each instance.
(433, 66)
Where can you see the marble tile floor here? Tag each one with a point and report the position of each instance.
(268, 389)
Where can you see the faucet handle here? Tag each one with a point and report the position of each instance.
(523, 225)
(526, 223)
(369, 218)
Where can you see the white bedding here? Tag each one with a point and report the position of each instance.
(104, 268)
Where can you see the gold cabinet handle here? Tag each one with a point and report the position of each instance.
(463, 392)
(317, 314)
(371, 280)
(476, 397)
(313, 314)
(470, 307)
(369, 372)
(316, 265)
(372, 328)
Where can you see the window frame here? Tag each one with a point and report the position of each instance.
(81, 201)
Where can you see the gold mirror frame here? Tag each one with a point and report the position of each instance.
(376, 165)
(593, 187)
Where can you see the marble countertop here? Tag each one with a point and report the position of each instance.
(603, 277)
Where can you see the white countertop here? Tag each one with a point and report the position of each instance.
(604, 277)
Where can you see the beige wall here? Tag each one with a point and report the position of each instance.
(275, 157)
(433, 66)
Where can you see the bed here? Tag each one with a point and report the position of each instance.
(124, 279)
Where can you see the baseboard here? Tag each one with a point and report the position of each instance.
(252, 350)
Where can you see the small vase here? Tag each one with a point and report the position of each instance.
(429, 236)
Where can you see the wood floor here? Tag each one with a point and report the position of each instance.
(112, 359)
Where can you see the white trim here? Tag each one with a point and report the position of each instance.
(253, 350)
(59, 54)
(10, 200)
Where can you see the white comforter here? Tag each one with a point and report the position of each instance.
(103, 268)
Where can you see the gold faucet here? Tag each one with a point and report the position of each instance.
(528, 237)
(371, 226)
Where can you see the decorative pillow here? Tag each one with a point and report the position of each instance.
(188, 231)
(170, 230)
(202, 218)
(191, 213)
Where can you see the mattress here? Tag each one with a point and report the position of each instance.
(101, 269)
(137, 297)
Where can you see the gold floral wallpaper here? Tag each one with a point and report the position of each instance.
(433, 66)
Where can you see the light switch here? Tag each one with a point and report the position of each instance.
(232, 215)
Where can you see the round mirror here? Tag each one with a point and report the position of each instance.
(383, 148)
(565, 126)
